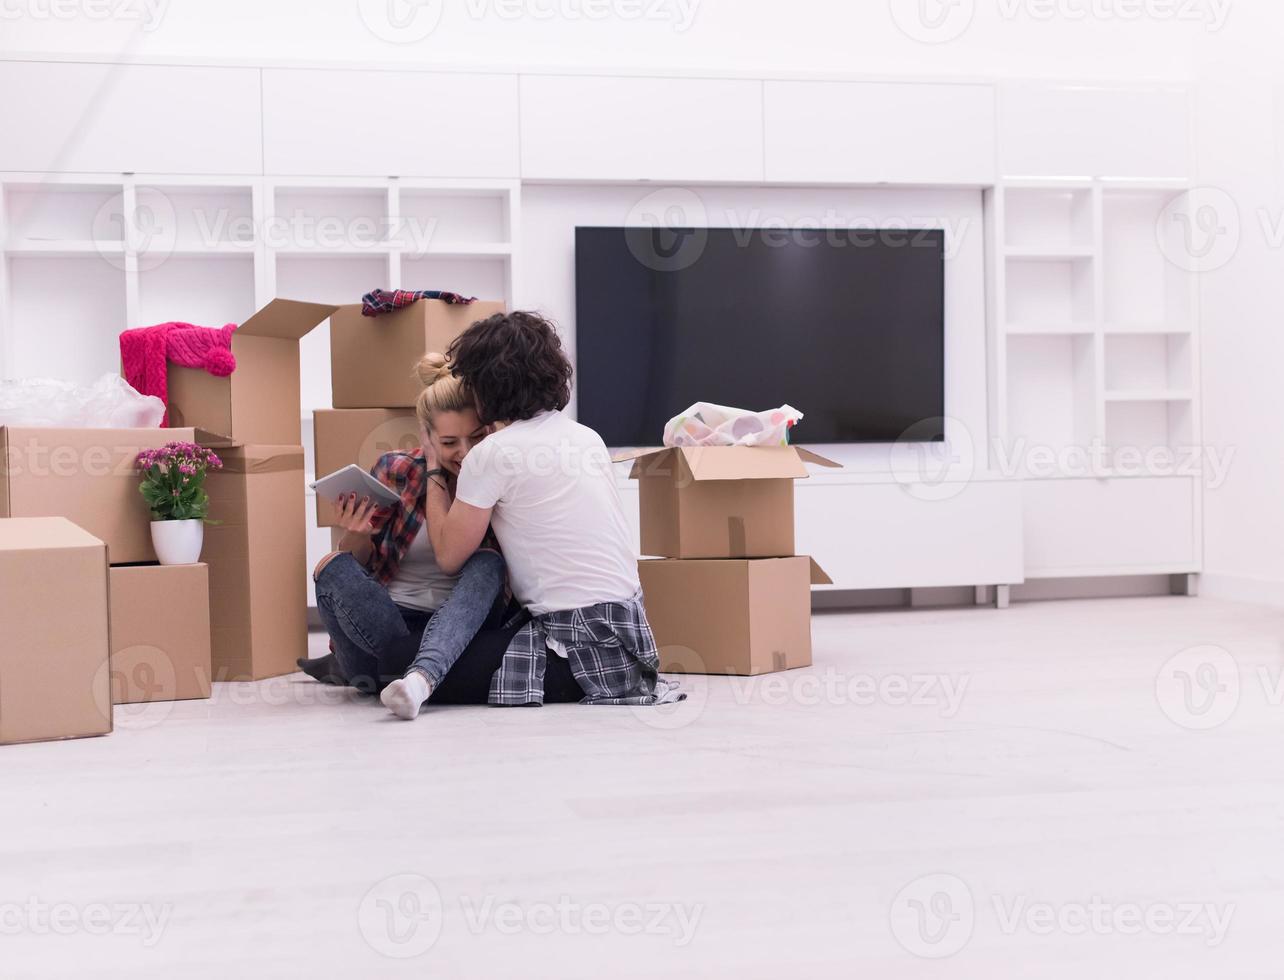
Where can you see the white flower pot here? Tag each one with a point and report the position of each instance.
(178, 542)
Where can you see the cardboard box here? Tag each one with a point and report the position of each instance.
(372, 359)
(88, 477)
(731, 616)
(719, 501)
(160, 633)
(259, 402)
(258, 563)
(55, 656)
(361, 436)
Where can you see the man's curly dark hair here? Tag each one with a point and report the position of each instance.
(514, 365)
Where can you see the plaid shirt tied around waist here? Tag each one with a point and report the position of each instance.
(611, 653)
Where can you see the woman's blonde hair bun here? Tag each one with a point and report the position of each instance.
(431, 369)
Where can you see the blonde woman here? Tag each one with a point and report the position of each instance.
(384, 583)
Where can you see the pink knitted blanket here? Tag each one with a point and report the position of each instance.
(147, 352)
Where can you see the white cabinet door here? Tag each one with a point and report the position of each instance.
(1049, 130)
(597, 128)
(389, 124)
(863, 132)
(1103, 527)
(123, 118)
(890, 536)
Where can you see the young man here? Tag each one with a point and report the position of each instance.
(545, 484)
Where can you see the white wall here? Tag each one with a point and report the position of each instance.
(1241, 125)
(979, 37)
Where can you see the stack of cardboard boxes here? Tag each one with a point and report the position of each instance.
(374, 385)
(729, 595)
(90, 619)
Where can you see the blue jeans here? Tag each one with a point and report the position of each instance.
(362, 619)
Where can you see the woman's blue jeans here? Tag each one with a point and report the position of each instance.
(362, 619)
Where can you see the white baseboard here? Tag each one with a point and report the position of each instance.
(1242, 588)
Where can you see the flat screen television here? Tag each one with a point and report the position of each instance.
(847, 326)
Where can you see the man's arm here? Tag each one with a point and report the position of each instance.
(454, 529)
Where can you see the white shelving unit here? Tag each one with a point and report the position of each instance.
(135, 249)
(1093, 353)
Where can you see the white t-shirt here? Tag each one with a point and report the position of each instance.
(420, 583)
(557, 513)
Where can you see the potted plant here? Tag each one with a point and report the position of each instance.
(174, 488)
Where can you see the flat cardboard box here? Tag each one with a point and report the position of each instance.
(55, 656)
(361, 436)
(373, 358)
(160, 633)
(88, 477)
(259, 402)
(719, 501)
(258, 563)
(747, 616)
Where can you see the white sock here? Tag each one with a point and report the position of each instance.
(405, 697)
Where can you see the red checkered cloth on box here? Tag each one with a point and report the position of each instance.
(385, 301)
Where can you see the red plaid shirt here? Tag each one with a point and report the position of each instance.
(402, 472)
(406, 474)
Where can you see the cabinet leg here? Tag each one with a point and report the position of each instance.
(982, 595)
(1184, 584)
(1002, 596)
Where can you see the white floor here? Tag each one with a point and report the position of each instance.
(1045, 807)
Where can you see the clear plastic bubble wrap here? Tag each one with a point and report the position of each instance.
(706, 424)
(109, 403)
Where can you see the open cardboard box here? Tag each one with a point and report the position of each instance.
(88, 477)
(719, 501)
(373, 358)
(259, 402)
(55, 655)
(736, 616)
(358, 435)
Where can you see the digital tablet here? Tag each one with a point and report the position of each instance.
(353, 479)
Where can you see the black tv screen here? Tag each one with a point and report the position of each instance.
(847, 326)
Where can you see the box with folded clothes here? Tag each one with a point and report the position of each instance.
(719, 501)
(259, 401)
(55, 651)
(744, 616)
(88, 477)
(372, 358)
(255, 549)
(160, 633)
(360, 436)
